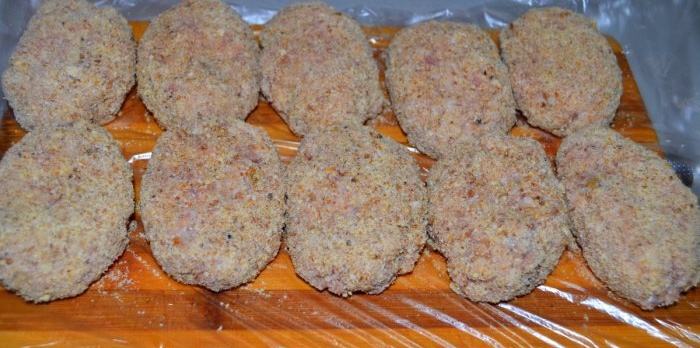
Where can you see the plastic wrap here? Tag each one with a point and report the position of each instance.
(136, 304)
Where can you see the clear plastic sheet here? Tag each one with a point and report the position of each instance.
(136, 304)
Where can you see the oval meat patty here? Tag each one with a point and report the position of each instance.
(447, 84)
(74, 61)
(212, 205)
(356, 210)
(637, 225)
(198, 67)
(65, 200)
(563, 71)
(317, 68)
(498, 214)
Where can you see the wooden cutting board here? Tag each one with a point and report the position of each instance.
(136, 304)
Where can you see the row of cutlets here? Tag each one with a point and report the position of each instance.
(216, 201)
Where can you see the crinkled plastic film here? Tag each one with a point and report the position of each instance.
(136, 304)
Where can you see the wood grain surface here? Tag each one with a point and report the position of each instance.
(136, 304)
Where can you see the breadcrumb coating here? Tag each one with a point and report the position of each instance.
(318, 69)
(448, 84)
(356, 210)
(637, 224)
(65, 202)
(198, 67)
(213, 205)
(498, 214)
(74, 61)
(563, 71)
